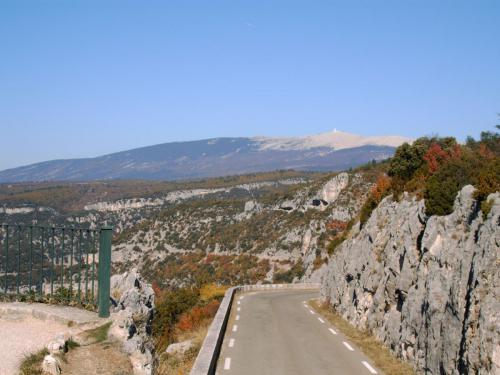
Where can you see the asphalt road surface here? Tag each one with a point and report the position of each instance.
(277, 333)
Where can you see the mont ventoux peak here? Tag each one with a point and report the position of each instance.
(330, 151)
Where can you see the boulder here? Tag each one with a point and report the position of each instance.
(179, 348)
(50, 365)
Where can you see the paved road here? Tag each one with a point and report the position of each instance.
(276, 333)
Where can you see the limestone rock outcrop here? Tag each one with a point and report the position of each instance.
(426, 287)
(132, 316)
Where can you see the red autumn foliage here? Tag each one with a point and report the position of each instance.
(156, 289)
(485, 152)
(435, 157)
(381, 186)
(337, 225)
(195, 317)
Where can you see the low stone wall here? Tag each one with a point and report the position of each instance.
(206, 360)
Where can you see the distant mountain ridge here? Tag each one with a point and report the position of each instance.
(215, 157)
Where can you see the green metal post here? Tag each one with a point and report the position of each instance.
(62, 262)
(104, 270)
(71, 264)
(87, 246)
(93, 236)
(52, 264)
(18, 258)
(6, 256)
(42, 250)
(31, 256)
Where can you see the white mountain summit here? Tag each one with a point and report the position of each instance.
(335, 139)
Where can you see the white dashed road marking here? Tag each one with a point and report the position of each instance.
(239, 308)
(312, 312)
(231, 343)
(237, 317)
(321, 320)
(348, 346)
(239, 302)
(227, 364)
(241, 297)
(370, 368)
(235, 328)
(332, 331)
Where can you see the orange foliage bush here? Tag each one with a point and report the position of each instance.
(381, 186)
(337, 225)
(196, 316)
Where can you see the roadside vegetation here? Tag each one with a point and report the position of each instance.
(32, 363)
(381, 356)
(183, 315)
(436, 169)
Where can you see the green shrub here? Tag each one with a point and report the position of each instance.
(486, 206)
(442, 188)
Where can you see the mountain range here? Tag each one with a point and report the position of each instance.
(214, 157)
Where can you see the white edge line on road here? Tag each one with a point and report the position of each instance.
(332, 331)
(237, 317)
(321, 320)
(235, 328)
(227, 364)
(348, 346)
(231, 343)
(370, 368)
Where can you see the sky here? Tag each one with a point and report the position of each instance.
(83, 78)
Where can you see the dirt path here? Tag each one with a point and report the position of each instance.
(21, 335)
(101, 359)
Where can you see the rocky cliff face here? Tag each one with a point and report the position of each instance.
(428, 288)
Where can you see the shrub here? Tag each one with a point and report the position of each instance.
(211, 291)
(486, 206)
(442, 188)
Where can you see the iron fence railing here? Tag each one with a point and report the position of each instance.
(66, 264)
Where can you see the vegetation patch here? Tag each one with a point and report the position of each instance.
(32, 364)
(380, 355)
(98, 334)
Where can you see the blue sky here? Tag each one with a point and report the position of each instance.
(84, 78)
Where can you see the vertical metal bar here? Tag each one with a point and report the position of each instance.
(6, 256)
(42, 249)
(71, 264)
(62, 261)
(87, 246)
(31, 256)
(18, 258)
(93, 264)
(52, 263)
(104, 270)
(80, 266)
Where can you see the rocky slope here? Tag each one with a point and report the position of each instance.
(427, 287)
(274, 229)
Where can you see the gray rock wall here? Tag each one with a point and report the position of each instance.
(428, 288)
(132, 317)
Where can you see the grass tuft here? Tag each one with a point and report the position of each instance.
(32, 363)
(98, 334)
